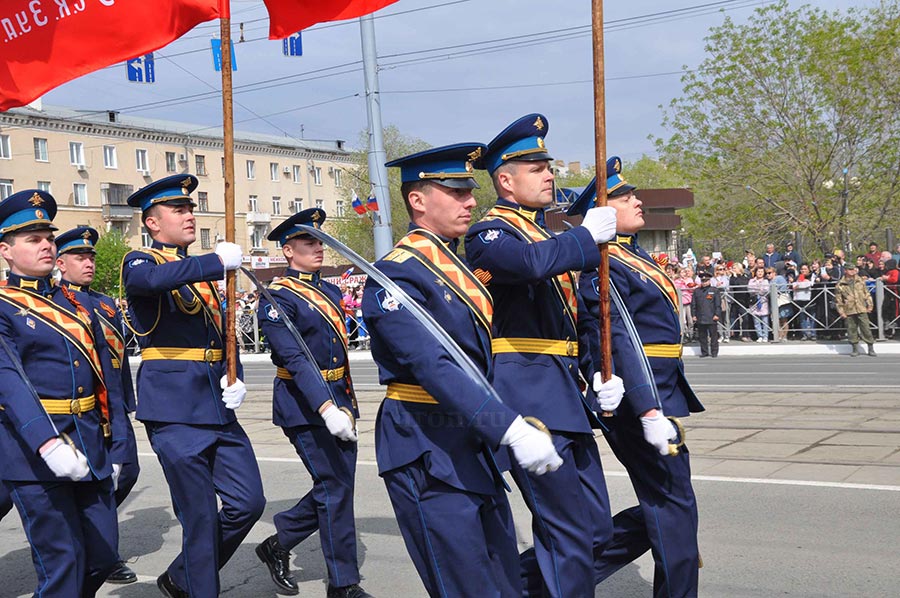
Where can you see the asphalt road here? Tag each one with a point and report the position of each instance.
(796, 466)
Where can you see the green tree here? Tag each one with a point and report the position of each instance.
(111, 248)
(781, 105)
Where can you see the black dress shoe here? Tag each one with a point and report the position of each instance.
(352, 591)
(168, 588)
(122, 574)
(278, 560)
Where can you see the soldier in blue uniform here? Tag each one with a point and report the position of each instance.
(317, 415)
(75, 260)
(666, 519)
(184, 399)
(437, 428)
(61, 453)
(530, 275)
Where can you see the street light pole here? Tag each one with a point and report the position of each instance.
(845, 196)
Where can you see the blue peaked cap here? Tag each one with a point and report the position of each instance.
(175, 190)
(30, 209)
(522, 140)
(448, 165)
(616, 185)
(78, 240)
(288, 230)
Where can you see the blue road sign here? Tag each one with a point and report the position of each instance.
(217, 55)
(142, 69)
(293, 45)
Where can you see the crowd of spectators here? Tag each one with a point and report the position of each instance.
(804, 292)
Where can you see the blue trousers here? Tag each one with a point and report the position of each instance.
(130, 468)
(570, 520)
(328, 507)
(5, 502)
(665, 520)
(201, 464)
(73, 533)
(461, 543)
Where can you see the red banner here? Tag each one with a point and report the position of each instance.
(287, 17)
(46, 43)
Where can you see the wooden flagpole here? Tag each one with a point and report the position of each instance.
(228, 129)
(600, 161)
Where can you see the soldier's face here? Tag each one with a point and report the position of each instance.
(446, 211)
(77, 268)
(173, 224)
(529, 184)
(30, 253)
(304, 254)
(629, 215)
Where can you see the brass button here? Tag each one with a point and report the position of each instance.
(80, 389)
(334, 359)
(212, 343)
(76, 363)
(333, 340)
(570, 366)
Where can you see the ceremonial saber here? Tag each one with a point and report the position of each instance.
(298, 338)
(420, 314)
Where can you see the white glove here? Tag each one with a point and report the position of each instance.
(532, 448)
(233, 395)
(117, 471)
(339, 423)
(601, 223)
(230, 254)
(65, 461)
(609, 393)
(658, 431)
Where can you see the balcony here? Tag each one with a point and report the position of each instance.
(259, 217)
(115, 212)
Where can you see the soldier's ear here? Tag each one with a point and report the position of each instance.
(416, 200)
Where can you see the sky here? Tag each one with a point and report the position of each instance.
(450, 71)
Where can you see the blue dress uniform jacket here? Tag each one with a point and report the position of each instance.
(71, 526)
(204, 452)
(331, 462)
(296, 402)
(656, 318)
(160, 321)
(434, 453)
(665, 521)
(526, 306)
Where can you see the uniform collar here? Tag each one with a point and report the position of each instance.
(452, 244)
(75, 287)
(169, 249)
(313, 277)
(43, 285)
(627, 239)
(536, 215)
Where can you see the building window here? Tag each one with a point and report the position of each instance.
(6, 188)
(273, 171)
(200, 162)
(338, 177)
(252, 203)
(204, 239)
(297, 205)
(146, 240)
(296, 173)
(5, 149)
(276, 205)
(170, 162)
(114, 194)
(40, 150)
(258, 238)
(320, 203)
(140, 159)
(44, 186)
(110, 160)
(202, 201)
(76, 153)
(317, 174)
(339, 208)
(79, 194)
(251, 170)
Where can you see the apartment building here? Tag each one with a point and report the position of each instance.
(92, 161)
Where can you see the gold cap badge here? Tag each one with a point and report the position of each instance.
(540, 142)
(36, 200)
(539, 124)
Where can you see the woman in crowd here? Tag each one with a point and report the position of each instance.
(741, 322)
(686, 283)
(802, 288)
(721, 281)
(758, 288)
